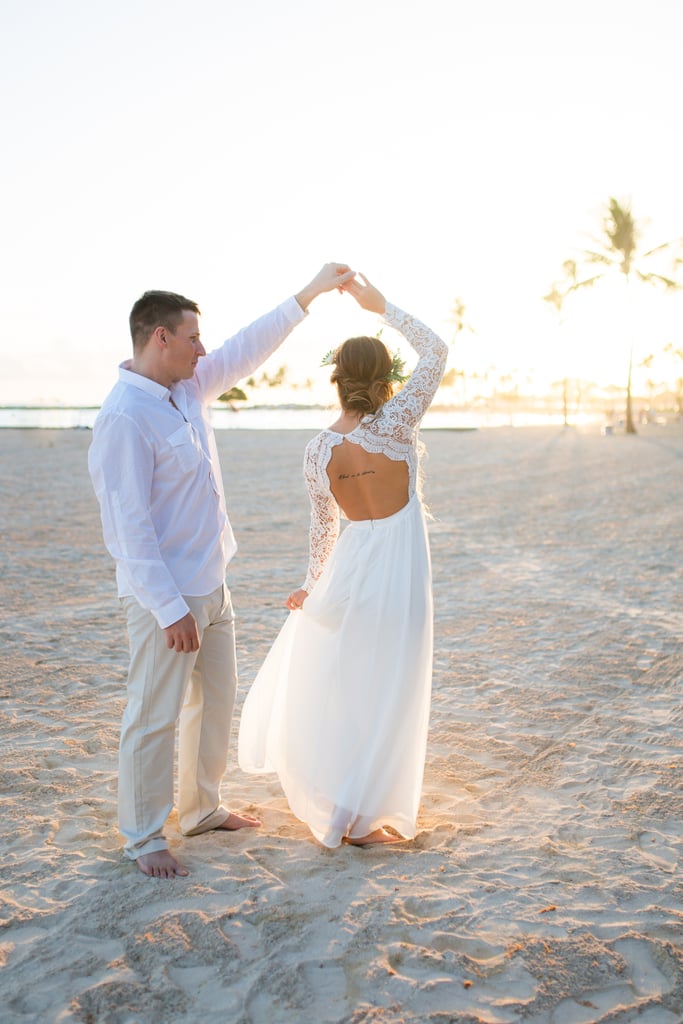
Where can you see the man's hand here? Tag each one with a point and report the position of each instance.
(332, 275)
(296, 599)
(183, 636)
(366, 295)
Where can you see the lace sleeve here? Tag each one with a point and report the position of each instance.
(324, 513)
(404, 411)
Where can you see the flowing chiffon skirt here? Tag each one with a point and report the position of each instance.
(340, 707)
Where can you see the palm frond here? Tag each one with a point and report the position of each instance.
(661, 248)
(669, 283)
(590, 256)
(571, 271)
(555, 298)
(587, 282)
(620, 228)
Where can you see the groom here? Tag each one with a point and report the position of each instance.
(155, 469)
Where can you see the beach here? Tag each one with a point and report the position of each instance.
(544, 885)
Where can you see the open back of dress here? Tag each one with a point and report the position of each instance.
(367, 485)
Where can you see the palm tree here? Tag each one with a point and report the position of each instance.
(678, 394)
(617, 251)
(235, 394)
(556, 298)
(459, 319)
(460, 323)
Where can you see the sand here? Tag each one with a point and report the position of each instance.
(545, 881)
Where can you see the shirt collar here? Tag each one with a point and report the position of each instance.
(136, 380)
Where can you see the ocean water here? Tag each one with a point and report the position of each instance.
(270, 418)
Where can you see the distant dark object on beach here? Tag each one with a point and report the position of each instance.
(232, 396)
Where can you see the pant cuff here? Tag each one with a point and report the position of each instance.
(151, 846)
(211, 821)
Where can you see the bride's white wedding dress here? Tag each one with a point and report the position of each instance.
(340, 707)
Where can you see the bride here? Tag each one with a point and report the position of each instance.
(340, 707)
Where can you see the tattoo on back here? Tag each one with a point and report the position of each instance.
(350, 476)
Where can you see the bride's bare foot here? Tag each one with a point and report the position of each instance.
(235, 821)
(376, 838)
(161, 864)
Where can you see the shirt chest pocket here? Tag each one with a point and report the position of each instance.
(185, 449)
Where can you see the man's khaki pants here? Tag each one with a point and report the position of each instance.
(165, 687)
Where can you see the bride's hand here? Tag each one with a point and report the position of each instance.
(366, 295)
(332, 275)
(296, 599)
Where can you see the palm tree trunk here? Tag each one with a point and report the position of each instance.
(565, 385)
(630, 425)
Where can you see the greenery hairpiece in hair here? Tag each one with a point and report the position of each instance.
(394, 376)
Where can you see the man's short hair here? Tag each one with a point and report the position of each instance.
(157, 309)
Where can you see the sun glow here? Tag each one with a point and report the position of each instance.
(462, 158)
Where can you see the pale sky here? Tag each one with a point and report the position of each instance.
(226, 150)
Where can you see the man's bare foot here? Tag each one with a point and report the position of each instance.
(161, 864)
(379, 836)
(233, 822)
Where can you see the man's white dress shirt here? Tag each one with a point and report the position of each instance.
(157, 477)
